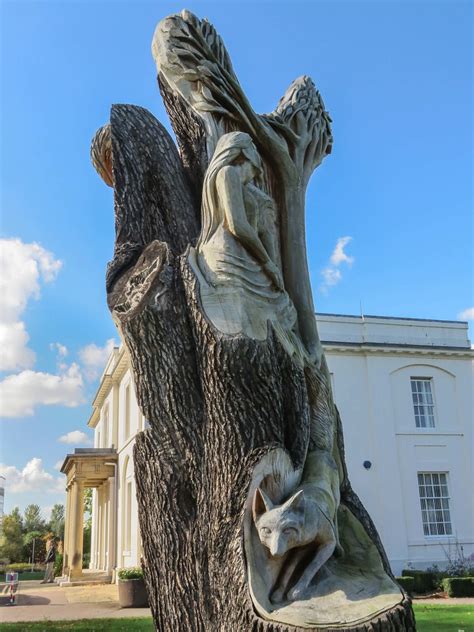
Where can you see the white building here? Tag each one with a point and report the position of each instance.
(404, 390)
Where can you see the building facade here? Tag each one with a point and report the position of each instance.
(404, 391)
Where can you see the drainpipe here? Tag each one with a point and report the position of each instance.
(113, 558)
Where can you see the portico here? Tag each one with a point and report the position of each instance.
(87, 467)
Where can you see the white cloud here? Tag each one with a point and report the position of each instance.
(331, 273)
(75, 437)
(33, 477)
(338, 254)
(58, 465)
(19, 394)
(95, 358)
(467, 314)
(331, 276)
(23, 267)
(60, 349)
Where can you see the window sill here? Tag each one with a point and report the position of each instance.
(433, 540)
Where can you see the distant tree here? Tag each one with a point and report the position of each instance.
(56, 522)
(33, 520)
(11, 537)
(86, 545)
(34, 542)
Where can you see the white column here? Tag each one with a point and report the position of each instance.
(77, 529)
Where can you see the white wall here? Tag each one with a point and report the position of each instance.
(373, 394)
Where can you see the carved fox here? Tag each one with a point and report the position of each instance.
(308, 517)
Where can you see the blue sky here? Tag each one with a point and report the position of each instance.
(396, 79)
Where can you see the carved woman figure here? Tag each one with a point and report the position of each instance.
(237, 255)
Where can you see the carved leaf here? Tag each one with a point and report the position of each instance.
(190, 49)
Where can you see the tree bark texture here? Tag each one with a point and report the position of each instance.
(216, 403)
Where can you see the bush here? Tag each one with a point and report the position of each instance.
(406, 583)
(424, 581)
(58, 565)
(134, 572)
(22, 567)
(459, 586)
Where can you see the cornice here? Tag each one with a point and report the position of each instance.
(114, 376)
(379, 348)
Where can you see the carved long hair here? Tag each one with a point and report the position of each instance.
(231, 149)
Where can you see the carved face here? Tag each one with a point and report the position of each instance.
(280, 528)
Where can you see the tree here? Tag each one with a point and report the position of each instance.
(222, 405)
(33, 520)
(11, 538)
(87, 532)
(56, 521)
(34, 547)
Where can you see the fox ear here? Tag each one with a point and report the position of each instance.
(261, 503)
(296, 502)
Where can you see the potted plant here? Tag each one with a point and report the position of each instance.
(131, 588)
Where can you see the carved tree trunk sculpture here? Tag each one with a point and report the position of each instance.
(218, 403)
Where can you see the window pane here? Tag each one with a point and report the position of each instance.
(423, 404)
(434, 503)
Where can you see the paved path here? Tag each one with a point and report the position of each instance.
(37, 602)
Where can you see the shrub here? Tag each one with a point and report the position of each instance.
(459, 586)
(406, 583)
(134, 572)
(22, 567)
(58, 565)
(424, 581)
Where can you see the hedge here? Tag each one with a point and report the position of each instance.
(406, 583)
(424, 581)
(21, 567)
(459, 586)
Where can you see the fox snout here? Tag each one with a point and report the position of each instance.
(277, 547)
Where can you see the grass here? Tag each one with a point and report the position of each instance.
(444, 618)
(429, 618)
(143, 624)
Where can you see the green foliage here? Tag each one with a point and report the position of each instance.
(56, 522)
(88, 508)
(86, 543)
(11, 538)
(32, 519)
(459, 586)
(407, 583)
(58, 565)
(22, 567)
(39, 546)
(134, 572)
(424, 581)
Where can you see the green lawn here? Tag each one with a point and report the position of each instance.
(444, 618)
(84, 625)
(429, 618)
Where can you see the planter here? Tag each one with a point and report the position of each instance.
(132, 593)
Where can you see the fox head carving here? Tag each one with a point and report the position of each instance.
(280, 527)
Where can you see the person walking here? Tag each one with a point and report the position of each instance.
(51, 548)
